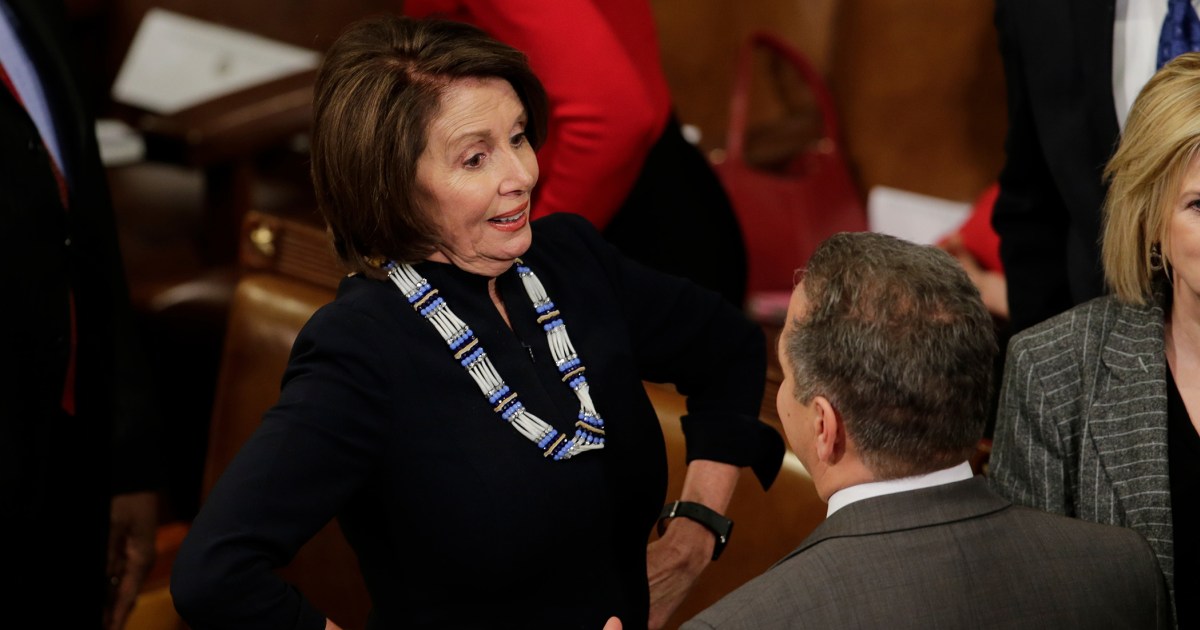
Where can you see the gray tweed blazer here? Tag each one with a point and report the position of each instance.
(1082, 424)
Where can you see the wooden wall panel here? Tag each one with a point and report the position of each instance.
(921, 90)
(918, 83)
(700, 40)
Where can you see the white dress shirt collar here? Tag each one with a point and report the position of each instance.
(846, 496)
(1136, 28)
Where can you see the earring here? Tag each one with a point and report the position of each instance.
(1158, 262)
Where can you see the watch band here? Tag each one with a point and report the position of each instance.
(720, 526)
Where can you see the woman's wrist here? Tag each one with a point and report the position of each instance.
(689, 539)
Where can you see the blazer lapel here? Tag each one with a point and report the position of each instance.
(1128, 427)
(907, 510)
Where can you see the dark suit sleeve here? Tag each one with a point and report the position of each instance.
(112, 382)
(1030, 216)
(132, 404)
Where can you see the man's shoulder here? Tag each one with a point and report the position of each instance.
(1060, 535)
(994, 563)
(787, 592)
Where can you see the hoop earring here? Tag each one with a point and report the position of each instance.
(1159, 262)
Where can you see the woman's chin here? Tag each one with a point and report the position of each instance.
(517, 243)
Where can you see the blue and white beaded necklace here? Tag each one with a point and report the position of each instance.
(589, 432)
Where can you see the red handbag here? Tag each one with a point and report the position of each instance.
(784, 215)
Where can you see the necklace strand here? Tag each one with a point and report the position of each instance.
(465, 346)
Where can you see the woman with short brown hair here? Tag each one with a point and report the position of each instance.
(489, 468)
(366, 141)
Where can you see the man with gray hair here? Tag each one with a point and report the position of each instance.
(887, 369)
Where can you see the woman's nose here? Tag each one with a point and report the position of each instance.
(521, 170)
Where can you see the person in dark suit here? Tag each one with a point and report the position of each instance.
(75, 450)
(886, 357)
(1072, 71)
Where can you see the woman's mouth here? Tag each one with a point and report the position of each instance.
(511, 220)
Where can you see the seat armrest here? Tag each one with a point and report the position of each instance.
(296, 246)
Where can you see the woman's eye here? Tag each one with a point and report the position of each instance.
(474, 160)
(518, 139)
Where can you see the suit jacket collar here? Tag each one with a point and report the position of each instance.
(926, 507)
(37, 22)
(1130, 439)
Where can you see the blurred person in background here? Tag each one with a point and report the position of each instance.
(77, 464)
(1071, 73)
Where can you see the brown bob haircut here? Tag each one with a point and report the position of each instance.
(378, 89)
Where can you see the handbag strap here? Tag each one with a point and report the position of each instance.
(739, 104)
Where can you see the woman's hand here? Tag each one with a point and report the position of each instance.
(673, 563)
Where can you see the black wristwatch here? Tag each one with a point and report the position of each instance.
(716, 523)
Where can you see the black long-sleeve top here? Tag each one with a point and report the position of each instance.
(456, 518)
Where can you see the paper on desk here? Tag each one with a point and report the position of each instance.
(119, 143)
(912, 216)
(176, 61)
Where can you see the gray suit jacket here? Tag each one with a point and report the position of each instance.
(1082, 424)
(952, 556)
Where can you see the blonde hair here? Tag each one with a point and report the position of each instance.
(1161, 136)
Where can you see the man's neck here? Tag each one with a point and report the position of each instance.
(858, 492)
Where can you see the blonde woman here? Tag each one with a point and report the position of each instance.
(1100, 406)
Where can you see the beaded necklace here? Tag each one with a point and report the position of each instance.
(589, 432)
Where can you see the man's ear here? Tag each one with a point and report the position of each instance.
(830, 436)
